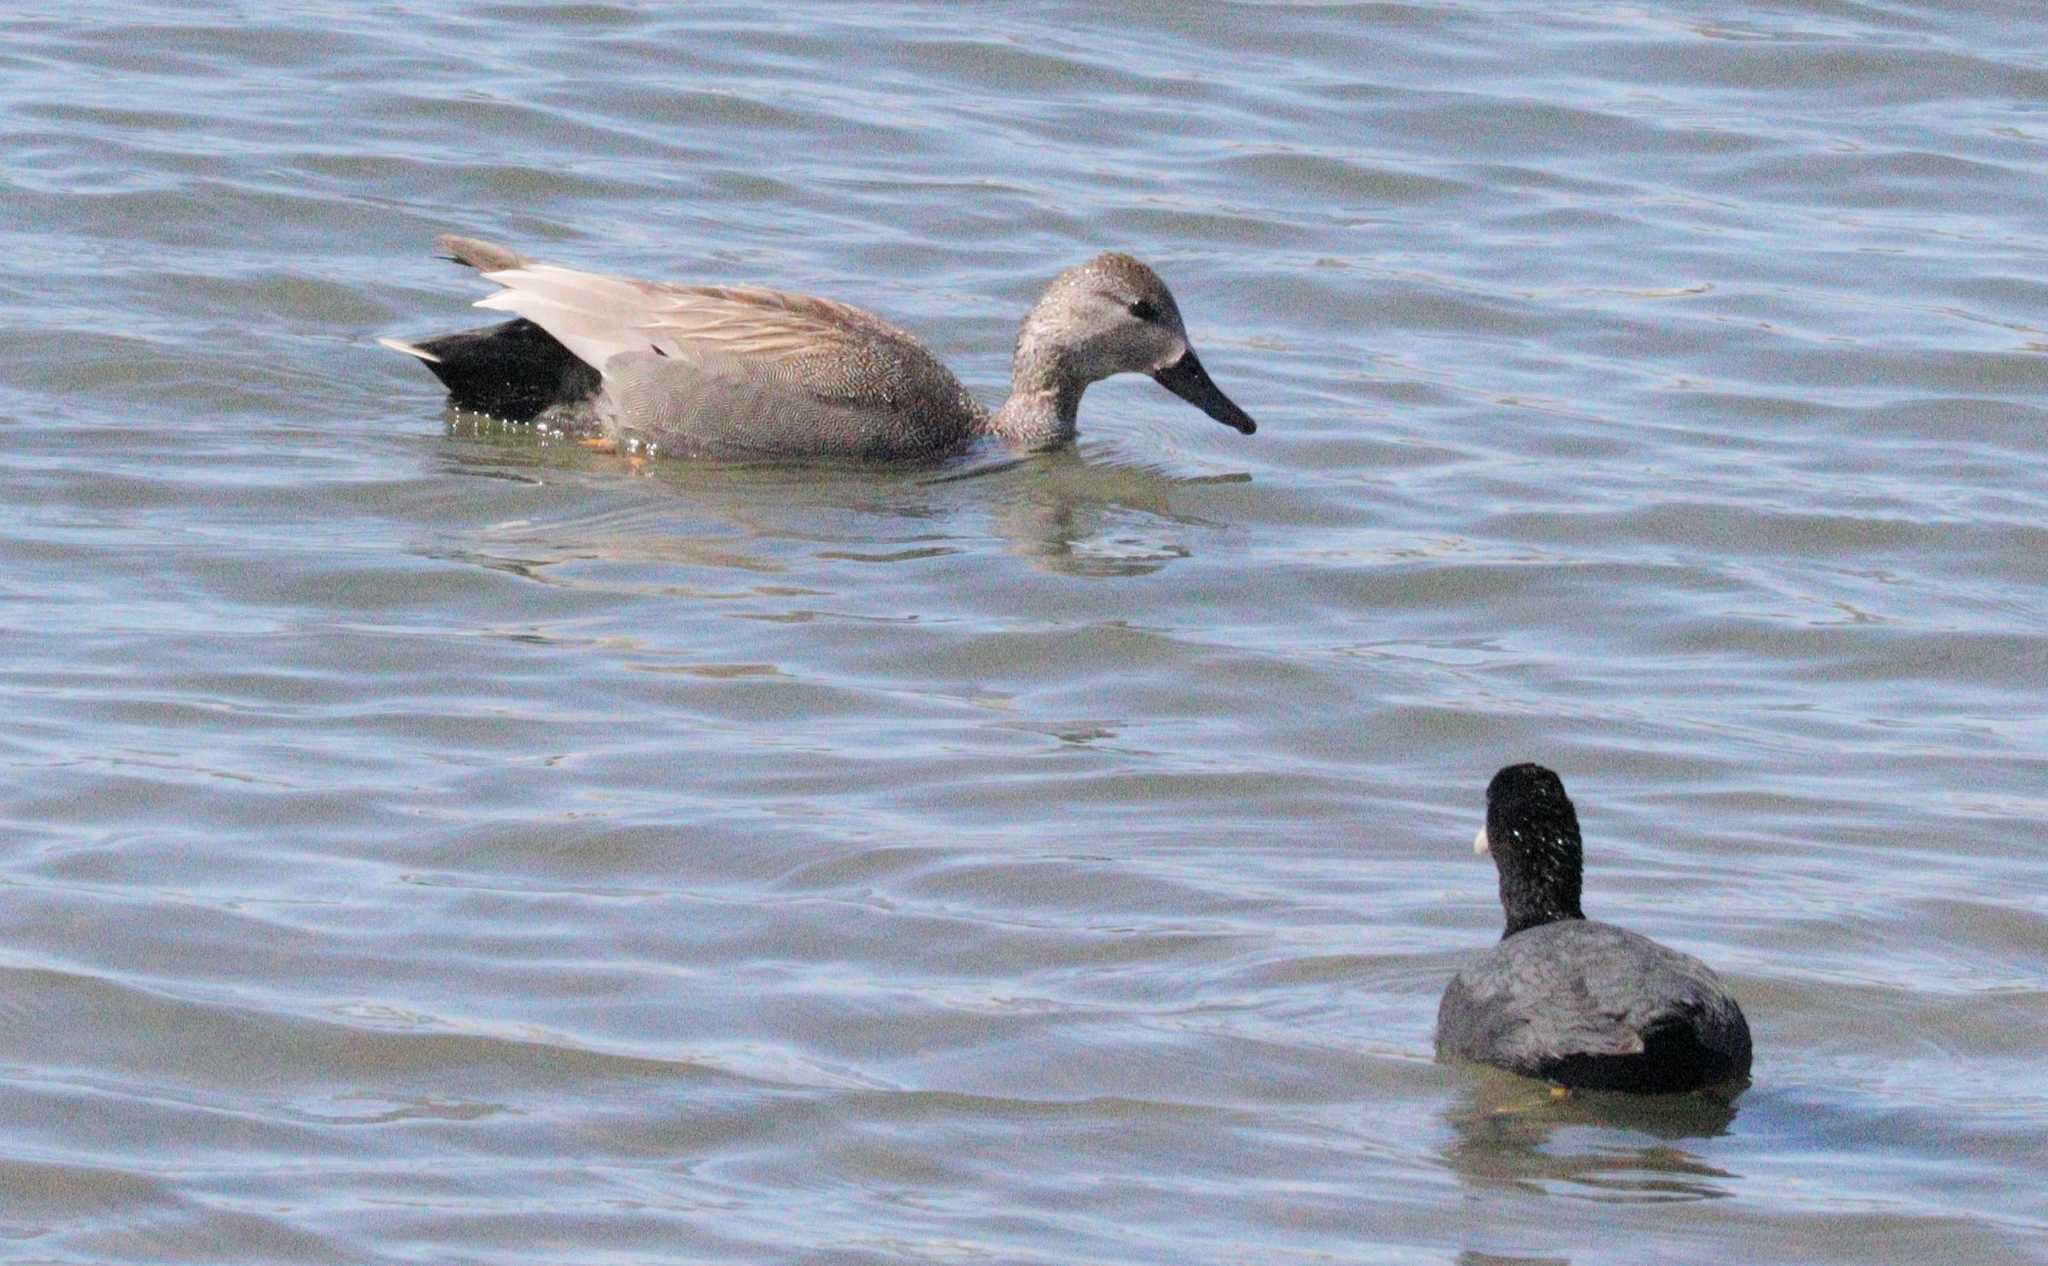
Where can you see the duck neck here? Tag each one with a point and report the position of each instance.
(1044, 407)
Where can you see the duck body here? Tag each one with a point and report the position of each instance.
(752, 372)
(1597, 1007)
(1569, 1000)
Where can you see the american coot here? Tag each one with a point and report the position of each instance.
(743, 371)
(1572, 1001)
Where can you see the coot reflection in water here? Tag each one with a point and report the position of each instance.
(1507, 1133)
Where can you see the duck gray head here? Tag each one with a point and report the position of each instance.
(1111, 315)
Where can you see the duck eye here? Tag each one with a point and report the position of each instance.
(1144, 310)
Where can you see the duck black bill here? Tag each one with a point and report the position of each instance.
(1187, 379)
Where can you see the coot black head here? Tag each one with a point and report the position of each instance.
(1533, 834)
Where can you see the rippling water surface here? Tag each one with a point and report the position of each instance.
(424, 842)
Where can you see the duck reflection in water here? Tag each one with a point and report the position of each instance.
(1065, 512)
(1080, 517)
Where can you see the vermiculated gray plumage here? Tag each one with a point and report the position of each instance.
(746, 371)
(1569, 1000)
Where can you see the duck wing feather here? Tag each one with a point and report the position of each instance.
(745, 368)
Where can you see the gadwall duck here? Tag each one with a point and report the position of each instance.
(1569, 1000)
(744, 371)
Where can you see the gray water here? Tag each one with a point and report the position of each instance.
(428, 842)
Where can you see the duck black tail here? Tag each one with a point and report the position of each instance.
(515, 371)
